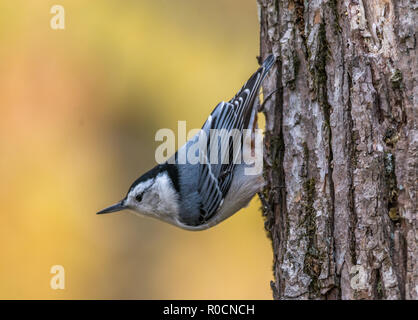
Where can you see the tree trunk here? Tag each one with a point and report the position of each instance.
(341, 148)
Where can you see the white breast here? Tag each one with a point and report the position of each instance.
(167, 202)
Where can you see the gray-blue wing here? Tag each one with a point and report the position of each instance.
(226, 124)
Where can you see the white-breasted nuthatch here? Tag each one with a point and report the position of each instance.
(197, 196)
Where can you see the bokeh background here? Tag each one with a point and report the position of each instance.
(79, 111)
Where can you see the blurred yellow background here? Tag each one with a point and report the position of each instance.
(79, 111)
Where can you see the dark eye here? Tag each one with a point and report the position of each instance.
(139, 197)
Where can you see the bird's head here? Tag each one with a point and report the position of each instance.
(153, 194)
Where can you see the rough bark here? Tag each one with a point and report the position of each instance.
(341, 148)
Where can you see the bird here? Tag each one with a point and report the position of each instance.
(199, 195)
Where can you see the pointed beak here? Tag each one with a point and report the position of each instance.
(116, 207)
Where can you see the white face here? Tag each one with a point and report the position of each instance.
(154, 197)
